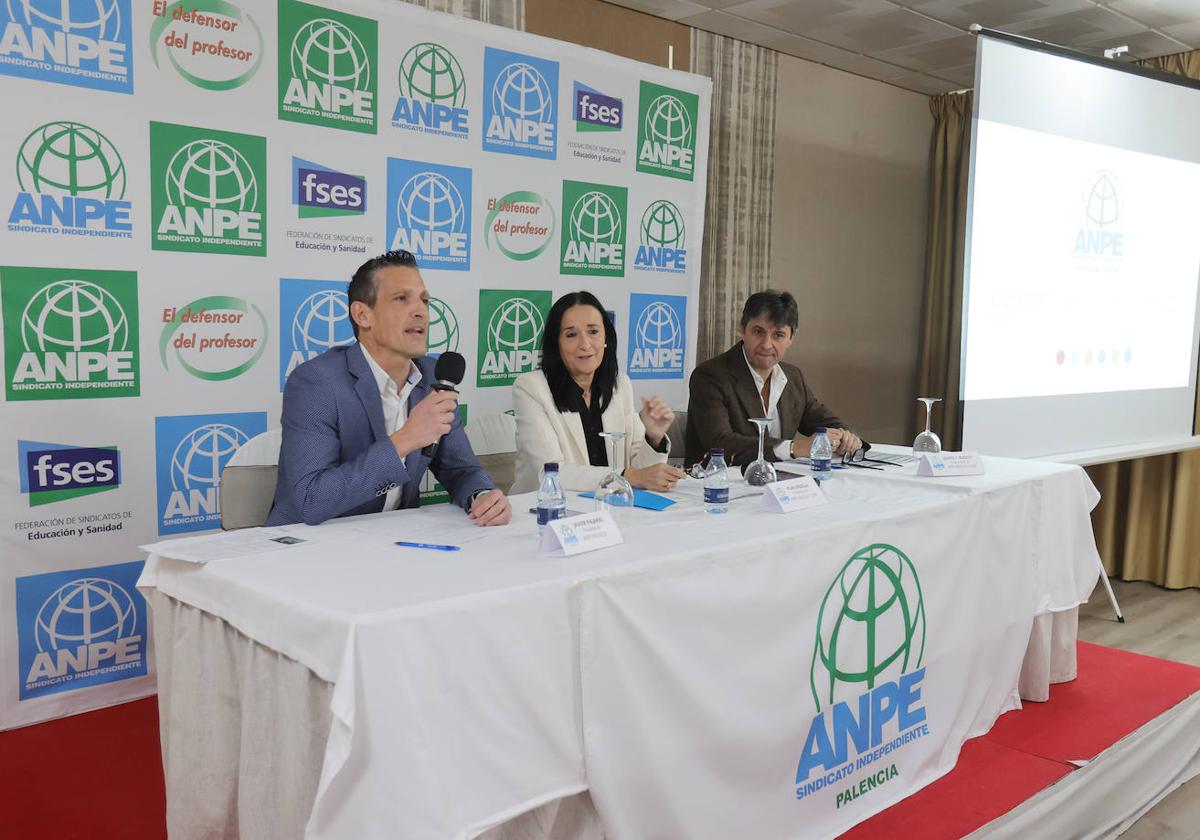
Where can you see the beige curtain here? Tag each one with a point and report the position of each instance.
(1146, 524)
(941, 307)
(736, 258)
(507, 13)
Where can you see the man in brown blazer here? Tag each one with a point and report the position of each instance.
(752, 380)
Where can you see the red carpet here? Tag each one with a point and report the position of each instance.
(1027, 750)
(99, 775)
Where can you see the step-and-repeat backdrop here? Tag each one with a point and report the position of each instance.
(187, 188)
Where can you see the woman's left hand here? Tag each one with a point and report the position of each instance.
(657, 418)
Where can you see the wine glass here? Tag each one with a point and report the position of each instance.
(928, 441)
(760, 472)
(614, 491)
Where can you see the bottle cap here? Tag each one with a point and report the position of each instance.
(717, 453)
(821, 430)
(550, 467)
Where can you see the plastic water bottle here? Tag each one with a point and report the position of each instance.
(551, 503)
(716, 483)
(820, 456)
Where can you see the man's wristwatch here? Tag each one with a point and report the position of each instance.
(476, 495)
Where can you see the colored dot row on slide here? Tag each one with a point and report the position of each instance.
(1088, 357)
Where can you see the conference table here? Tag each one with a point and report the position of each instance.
(747, 674)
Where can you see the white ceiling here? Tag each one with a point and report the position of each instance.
(923, 45)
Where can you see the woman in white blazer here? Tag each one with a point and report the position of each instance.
(578, 392)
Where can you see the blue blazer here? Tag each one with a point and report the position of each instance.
(336, 458)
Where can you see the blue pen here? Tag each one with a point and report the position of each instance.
(434, 546)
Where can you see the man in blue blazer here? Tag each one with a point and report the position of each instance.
(356, 418)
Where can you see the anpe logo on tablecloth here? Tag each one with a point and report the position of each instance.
(870, 634)
(212, 44)
(314, 316)
(1100, 235)
(72, 43)
(69, 333)
(79, 628)
(667, 120)
(510, 334)
(327, 67)
(433, 92)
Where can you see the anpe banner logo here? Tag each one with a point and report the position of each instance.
(870, 635)
(429, 212)
(593, 237)
(320, 192)
(213, 44)
(208, 190)
(213, 338)
(667, 120)
(314, 316)
(85, 44)
(190, 453)
(433, 92)
(658, 336)
(594, 111)
(443, 331)
(662, 239)
(72, 182)
(55, 472)
(519, 225)
(1100, 235)
(510, 334)
(520, 104)
(328, 64)
(69, 333)
(79, 628)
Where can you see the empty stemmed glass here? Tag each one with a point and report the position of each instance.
(760, 472)
(614, 491)
(928, 441)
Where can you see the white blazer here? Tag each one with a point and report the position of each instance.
(546, 434)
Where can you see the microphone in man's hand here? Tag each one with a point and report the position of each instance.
(449, 370)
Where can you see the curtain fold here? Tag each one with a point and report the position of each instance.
(736, 257)
(1146, 524)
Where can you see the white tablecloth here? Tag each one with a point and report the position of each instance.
(457, 699)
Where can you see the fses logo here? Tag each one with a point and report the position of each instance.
(212, 44)
(510, 334)
(320, 191)
(666, 141)
(208, 190)
(658, 336)
(55, 472)
(662, 239)
(433, 92)
(314, 316)
(520, 104)
(79, 628)
(69, 333)
(596, 112)
(593, 238)
(190, 454)
(86, 44)
(429, 212)
(72, 181)
(327, 67)
(1099, 236)
(870, 635)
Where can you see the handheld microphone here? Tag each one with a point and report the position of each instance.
(449, 370)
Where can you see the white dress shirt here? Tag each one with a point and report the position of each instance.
(395, 407)
(779, 381)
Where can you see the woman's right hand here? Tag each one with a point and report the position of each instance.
(658, 477)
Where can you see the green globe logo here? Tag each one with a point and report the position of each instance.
(327, 51)
(516, 325)
(73, 158)
(99, 20)
(871, 626)
(1103, 204)
(596, 218)
(209, 173)
(443, 327)
(668, 122)
(430, 72)
(74, 316)
(662, 225)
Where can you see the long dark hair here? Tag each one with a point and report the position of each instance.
(604, 381)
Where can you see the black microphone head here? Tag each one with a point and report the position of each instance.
(450, 367)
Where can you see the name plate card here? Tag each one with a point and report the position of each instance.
(941, 464)
(793, 494)
(581, 534)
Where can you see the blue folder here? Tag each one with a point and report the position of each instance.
(643, 499)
